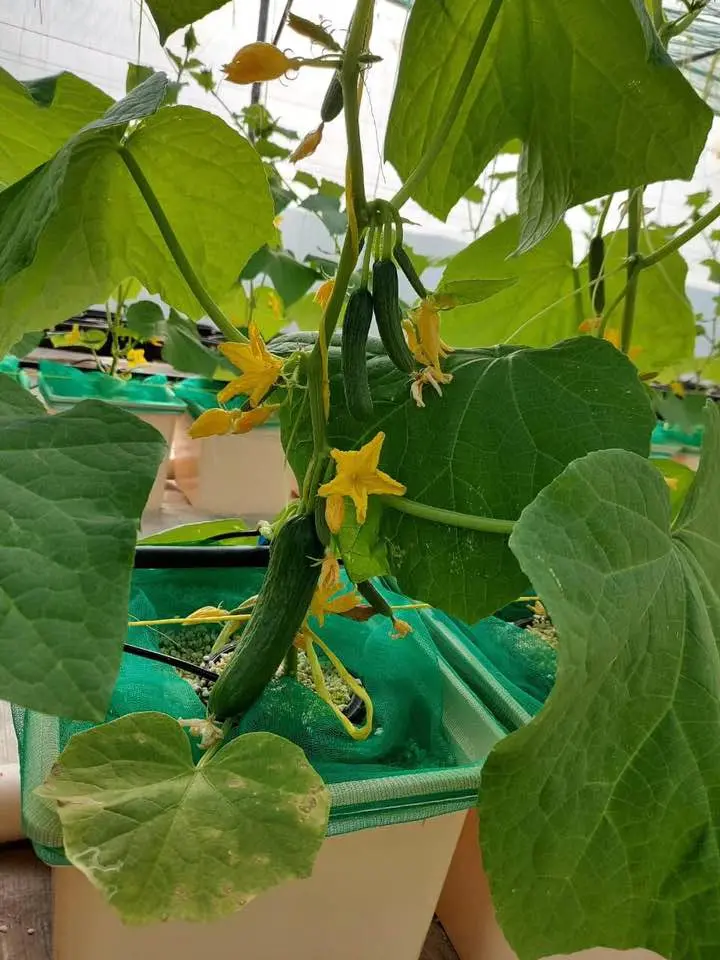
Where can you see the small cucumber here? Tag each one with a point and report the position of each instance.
(287, 590)
(386, 301)
(403, 260)
(356, 326)
(333, 103)
(596, 263)
(376, 600)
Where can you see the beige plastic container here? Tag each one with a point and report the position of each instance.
(237, 476)
(466, 912)
(372, 894)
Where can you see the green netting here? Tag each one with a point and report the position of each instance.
(430, 735)
(63, 385)
(10, 366)
(510, 669)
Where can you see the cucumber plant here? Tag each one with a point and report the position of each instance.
(498, 432)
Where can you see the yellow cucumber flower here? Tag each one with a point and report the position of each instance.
(357, 476)
(135, 358)
(260, 368)
(330, 570)
(324, 292)
(74, 337)
(259, 61)
(591, 325)
(308, 145)
(430, 348)
(326, 600)
(217, 422)
(401, 628)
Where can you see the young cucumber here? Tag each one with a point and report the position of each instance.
(386, 301)
(356, 326)
(333, 103)
(286, 593)
(402, 259)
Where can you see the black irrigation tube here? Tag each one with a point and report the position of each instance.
(151, 557)
(176, 662)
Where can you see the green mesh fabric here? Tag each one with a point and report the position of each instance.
(63, 385)
(431, 732)
(510, 669)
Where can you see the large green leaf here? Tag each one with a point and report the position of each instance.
(538, 310)
(542, 308)
(38, 117)
(164, 839)
(600, 819)
(77, 227)
(72, 487)
(172, 15)
(27, 207)
(664, 325)
(510, 421)
(586, 86)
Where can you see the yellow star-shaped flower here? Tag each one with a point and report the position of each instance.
(260, 368)
(357, 476)
(325, 600)
(135, 358)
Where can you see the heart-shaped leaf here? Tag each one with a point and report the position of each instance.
(72, 488)
(164, 839)
(78, 226)
(608, 799)
(39, 116)
(509, 422)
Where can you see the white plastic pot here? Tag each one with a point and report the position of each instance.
(236, 476)
(372, 894)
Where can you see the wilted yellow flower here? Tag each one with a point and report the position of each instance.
(672, 482)
(308, 145)
(259, 61)
(428, 376)
(401, 628)
(591, 325)
(330, 570)
(357, 476)
(260, 368)
(205, 613)
(135, 358)
(324, 292)
(429, 348)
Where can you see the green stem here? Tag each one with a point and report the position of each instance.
(229, 331)
(658, 15)
(450, 518)
(577, 299)
(674, 29)
(387, 240)
(291, 662)
(604, 215)
(441, 134)
(365, 276)
(349, 74)
(633, 273)
(681, 239)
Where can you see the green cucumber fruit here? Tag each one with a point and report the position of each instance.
(332, 104)
(292, 575)
(402, 259)
(377, 601)
(386, 301)
(356, 326)
(596, 263)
